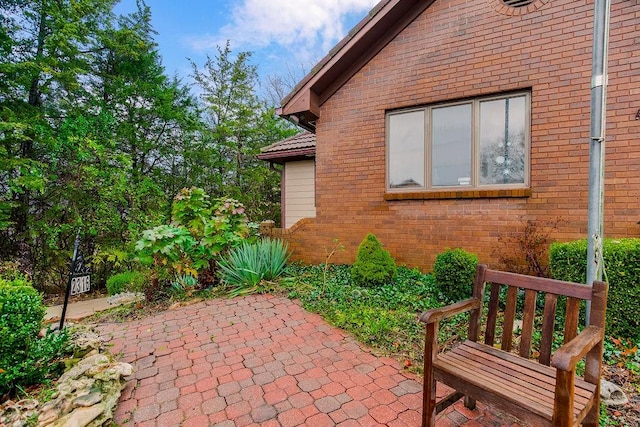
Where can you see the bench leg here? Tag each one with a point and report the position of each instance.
(593, 416)
(429, 381)
(469, 403)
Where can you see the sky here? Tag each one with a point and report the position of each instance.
(285, 36)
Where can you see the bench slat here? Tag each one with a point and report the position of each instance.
(533, 366)
(540, 284)
(548, 322)
(509, 318)
(527, 322)
(513, 365)
(571, 319)
(492, 315)
(506, 379)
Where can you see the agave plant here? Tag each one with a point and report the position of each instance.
(247, 265)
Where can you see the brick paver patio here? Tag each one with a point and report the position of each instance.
(263, 360)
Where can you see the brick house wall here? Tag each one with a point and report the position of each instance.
(458, 49)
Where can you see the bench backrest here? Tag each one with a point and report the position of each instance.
(529, 285)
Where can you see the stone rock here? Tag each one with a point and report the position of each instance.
(611, 394)
(85, 340)
(114, 372)
(27, 404)
(80, 417)
(89, 399)
(48, 416)
(83, 366)
(125, 298)
(85, 395)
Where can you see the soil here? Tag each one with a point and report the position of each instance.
(629, 414)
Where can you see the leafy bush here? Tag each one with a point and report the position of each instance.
(246, 266)
(374, 266)
(454, 272)
(198, 233)
(568, 262)
(24, 358)
(128, 281)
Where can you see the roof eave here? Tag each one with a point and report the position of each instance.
(289, 155)
(376, 30)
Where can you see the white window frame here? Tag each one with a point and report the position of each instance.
(474, 185)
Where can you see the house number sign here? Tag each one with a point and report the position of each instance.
(79, 278)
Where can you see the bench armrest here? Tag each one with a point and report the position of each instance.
(437, 314)
(566, 357)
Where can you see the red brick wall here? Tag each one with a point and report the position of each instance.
(466, 48)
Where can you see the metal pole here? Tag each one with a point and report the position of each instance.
(73, 268)
(596, 149)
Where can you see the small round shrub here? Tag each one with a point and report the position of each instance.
(129, 281)
(25, 359)
(454, 272)
(374, 266)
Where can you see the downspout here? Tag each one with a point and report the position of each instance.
(595, 227)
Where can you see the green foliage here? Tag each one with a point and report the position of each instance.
(568, 262)
(25, 359)
(184, 284)
(238, 125)
(246, 266)
(454, 272)
(128, 281)
(95, 136)
(374, 266)
(199, 233)
(384, 317)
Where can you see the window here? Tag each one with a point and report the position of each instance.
(481, 143)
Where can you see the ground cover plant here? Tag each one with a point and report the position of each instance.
(384, 317)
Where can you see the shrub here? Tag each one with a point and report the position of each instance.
(247, 265)
(568, 262)
(128, 281)
(374, 266)
(25, 359)
(527, 251)
(454, 273)
(199, 232)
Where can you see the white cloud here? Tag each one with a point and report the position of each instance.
(306, 28)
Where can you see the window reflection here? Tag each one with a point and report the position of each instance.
(451, 145)
(406, 153)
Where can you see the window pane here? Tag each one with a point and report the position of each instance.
(502, 141)
(406, 150)
(451, 145)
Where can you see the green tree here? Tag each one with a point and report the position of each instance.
(47, 48)
(238, 125)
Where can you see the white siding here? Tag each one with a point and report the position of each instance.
(299, 191)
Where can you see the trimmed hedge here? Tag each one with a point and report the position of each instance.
(454, 271)
(568, 261)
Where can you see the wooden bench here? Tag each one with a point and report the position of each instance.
(541, 393)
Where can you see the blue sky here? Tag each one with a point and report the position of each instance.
(285, 36)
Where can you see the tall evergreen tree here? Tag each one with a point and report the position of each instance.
(47, 46)
(238, 125)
